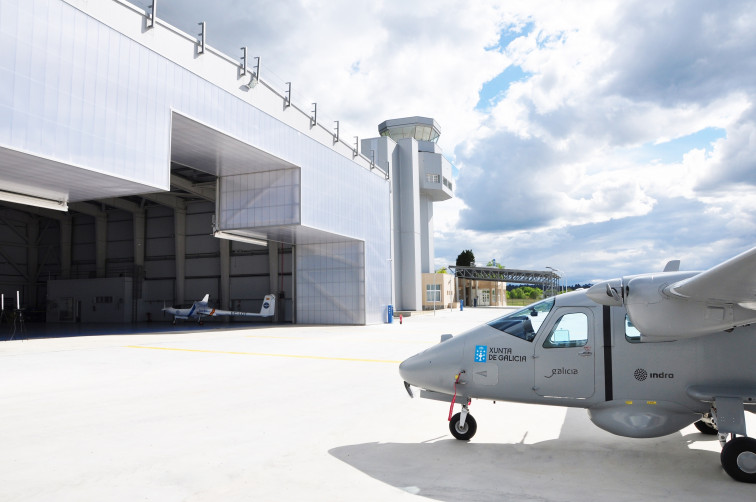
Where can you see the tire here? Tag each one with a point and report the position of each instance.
(706, 428)
(739, 459)
(466, 433)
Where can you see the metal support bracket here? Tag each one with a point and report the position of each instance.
(729, 415)
(150, 21)
(203, 38)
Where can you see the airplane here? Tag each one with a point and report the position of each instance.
(646, 355)
(200, 309)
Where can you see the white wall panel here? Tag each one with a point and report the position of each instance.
(330, 283)
(80, 93)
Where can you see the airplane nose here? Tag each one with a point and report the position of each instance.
(435, 368)
(412, 368)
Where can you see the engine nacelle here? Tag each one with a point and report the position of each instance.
(641, 419)
(661, 315)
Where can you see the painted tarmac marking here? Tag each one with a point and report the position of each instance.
(292, 356)
(277, 337)
(309, 339)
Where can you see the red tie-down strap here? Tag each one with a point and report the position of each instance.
(454, 398)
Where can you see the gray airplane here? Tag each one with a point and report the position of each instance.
(200, 309)
(646, 355)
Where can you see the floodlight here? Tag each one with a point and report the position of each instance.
(31, 200)
(221, 234)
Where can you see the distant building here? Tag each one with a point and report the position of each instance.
(482, 293)
(438, 291)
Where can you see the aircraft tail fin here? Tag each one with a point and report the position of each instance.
(268, 306)
(206, 298)
(672, 266)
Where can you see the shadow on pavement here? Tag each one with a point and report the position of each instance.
(564, 469)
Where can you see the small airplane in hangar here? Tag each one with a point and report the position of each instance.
(646, 355)
(200, 309)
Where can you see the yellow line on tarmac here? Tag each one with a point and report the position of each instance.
(310, 339)
(278, 337)
(293, 356)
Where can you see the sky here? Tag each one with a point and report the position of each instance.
(599, 138)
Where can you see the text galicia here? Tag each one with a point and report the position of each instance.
(562, 371)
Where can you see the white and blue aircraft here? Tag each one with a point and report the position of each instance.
(645, 355)
(200, 309)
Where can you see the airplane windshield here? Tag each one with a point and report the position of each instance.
(524, 323)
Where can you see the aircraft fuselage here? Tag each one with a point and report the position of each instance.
(581, 354)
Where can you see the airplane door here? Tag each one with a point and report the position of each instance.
(564, 355)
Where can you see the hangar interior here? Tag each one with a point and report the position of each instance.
(115, 259)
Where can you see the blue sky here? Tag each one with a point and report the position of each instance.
(602, 138)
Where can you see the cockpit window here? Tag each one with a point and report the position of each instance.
(524, 323)
(631, 332)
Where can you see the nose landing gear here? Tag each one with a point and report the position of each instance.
(462, 425)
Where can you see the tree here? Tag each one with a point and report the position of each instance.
(523, 292)
(492, 263)
(466, 258)
(441, 270)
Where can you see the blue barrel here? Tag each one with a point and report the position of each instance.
(461, 305)
(390, 314)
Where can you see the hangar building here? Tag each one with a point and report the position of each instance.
(141, 167)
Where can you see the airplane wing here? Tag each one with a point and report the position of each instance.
(717, 300)
(267, 309)
(216, 312)
(733, 281)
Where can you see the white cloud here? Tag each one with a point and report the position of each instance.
(557, 172)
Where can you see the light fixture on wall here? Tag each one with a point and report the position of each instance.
(221, 234)
(31, 200)
(255, 78)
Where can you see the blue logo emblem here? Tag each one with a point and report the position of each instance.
(480, 353)
(266, 305)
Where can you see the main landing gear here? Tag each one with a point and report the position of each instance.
(738, 455)
(738, 458)
(706, 426)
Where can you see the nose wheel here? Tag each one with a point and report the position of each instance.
(462, 425)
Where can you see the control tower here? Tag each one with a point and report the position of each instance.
(420, 176)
